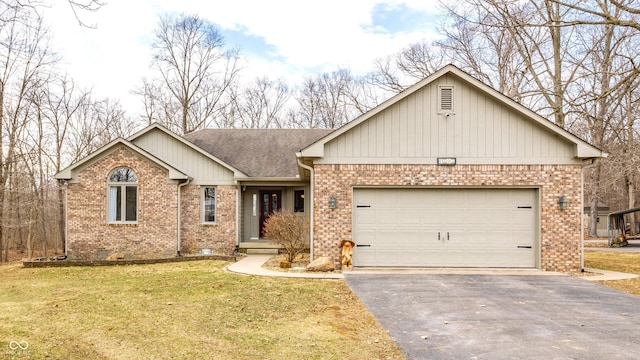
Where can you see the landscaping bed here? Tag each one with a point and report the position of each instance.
(60, 262)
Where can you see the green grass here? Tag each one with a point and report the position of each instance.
(190, 310)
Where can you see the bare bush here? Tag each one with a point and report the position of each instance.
(289, 230)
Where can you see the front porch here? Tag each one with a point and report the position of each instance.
(257, 203)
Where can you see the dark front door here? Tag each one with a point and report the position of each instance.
(270, 202)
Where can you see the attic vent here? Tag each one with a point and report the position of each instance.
(446, 98)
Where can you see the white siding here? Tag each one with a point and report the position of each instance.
(203, 169)
(479, 130)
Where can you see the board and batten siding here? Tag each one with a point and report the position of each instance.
(479, 130)
(203, 170)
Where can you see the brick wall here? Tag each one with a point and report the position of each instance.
(89, 234)
(219, 236)
(559, 233)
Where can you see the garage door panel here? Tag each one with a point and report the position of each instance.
(410, 217)
(387, 216)
(485, 227)
(474, 217)
(364, 216)
(520, 218)
(522, 258)
(431, 216)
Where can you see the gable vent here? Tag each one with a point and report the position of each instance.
(446, 98)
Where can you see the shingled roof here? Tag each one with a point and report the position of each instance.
(261, 153)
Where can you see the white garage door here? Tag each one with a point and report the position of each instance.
(445, 227)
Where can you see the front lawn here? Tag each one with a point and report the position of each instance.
(628, 262)
(190, 310)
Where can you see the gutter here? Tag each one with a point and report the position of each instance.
(179, 240)
(311, 206)
(238, 205)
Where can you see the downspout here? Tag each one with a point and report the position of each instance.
(179, 240)
(311, 201)
(238, 224)
(65, 183)
(584, 167)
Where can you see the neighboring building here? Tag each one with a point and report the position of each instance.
(449, 173)
(601, 221)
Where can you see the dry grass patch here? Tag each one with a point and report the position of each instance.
(182, 310)
(627, 262)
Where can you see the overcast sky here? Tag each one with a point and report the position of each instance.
(277, 38)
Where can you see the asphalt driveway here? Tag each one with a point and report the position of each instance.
(502, 317)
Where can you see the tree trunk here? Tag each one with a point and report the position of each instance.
(593, 214)
(632, 204)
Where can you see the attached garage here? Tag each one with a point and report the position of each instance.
(445, 227)
(450, 173)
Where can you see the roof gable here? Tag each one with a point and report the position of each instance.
(385, 125)
(71, 172)
(175, 149)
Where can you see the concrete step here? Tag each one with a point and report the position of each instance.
(258, 245)
(262, 251)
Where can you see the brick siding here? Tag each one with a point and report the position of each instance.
(89, 234)
(219, 236)
(559, 229)
(155, 233)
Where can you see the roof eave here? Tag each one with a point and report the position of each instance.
(172, 172)
(268, 179)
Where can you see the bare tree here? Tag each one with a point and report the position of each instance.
(326, 101)
(484, 49)
(620, 13)
(88, 5)
(196, 73)
(61, 101)
(259, 105)
(532, 30)
(24, 56)
(412, 64)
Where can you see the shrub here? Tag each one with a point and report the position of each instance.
(289, 230)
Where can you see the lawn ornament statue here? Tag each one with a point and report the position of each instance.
(347, 253)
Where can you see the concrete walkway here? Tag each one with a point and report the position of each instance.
(252, 265)
(606, 275)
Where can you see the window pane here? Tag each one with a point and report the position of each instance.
(131, 203)
(123, 174)
(209, 198)
(114, 203)
(298, 201)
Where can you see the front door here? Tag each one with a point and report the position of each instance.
(270, 202)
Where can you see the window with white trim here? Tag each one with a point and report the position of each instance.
(122, 196)
(208, 205)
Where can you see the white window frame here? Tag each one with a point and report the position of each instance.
(442, 110)
(204, 205)
(112, 199)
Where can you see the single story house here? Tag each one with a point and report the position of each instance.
(448, 173)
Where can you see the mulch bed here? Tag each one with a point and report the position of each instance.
(54, 262)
